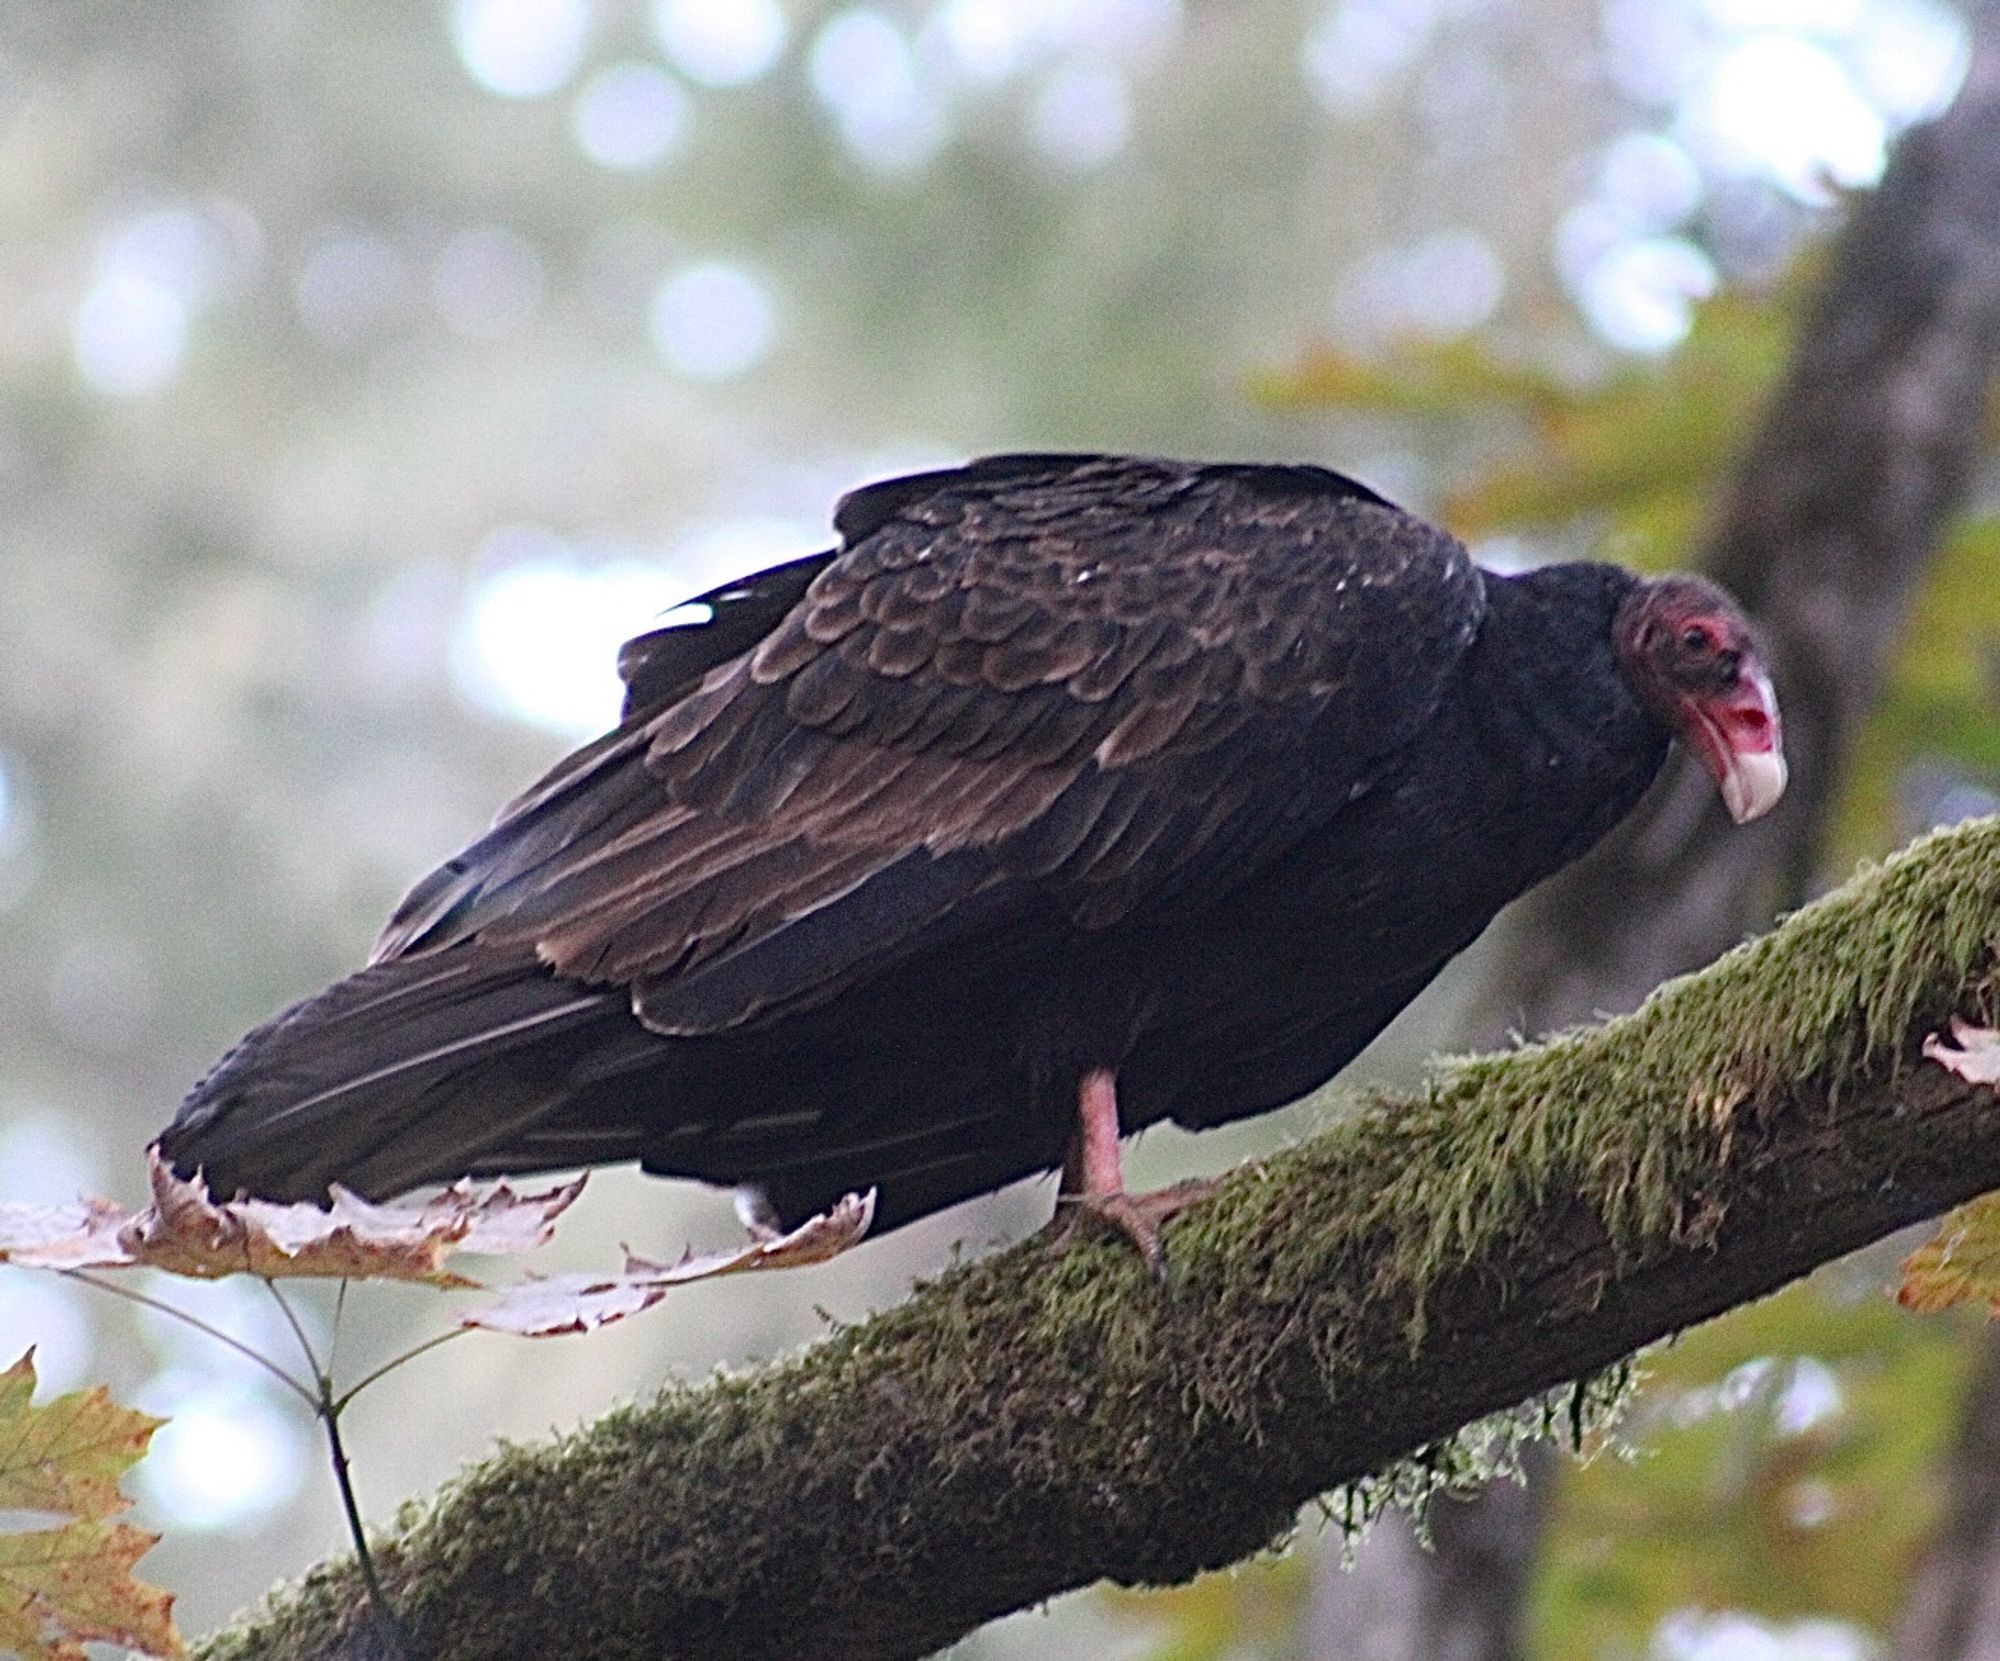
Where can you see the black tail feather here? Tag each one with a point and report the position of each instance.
(403, 1074)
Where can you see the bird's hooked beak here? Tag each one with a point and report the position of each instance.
(1740, 741)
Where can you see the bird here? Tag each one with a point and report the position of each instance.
(1065, 795)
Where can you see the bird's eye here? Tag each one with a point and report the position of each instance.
(1696, 638)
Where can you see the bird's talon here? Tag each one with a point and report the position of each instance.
(1139, 1217)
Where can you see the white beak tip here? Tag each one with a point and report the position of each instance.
(1752, 783)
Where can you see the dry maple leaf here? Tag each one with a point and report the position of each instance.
(1960, 1264)
(1973, 1053)
(186, 1232)
(581, 1303)
(65, 1585)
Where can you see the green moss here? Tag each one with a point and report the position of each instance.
(1053, 1398)
(1631, 1113)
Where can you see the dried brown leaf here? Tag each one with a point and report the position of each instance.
(186, 1232)
(561, 1304)
(1973, 1053)
(1960, 1264)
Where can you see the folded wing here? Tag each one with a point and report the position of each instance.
(1036, 683)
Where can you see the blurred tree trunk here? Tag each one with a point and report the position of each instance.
(1839, 503)
(1457, 1600)
(1953, 1613)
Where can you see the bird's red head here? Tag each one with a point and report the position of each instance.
(1696, 662)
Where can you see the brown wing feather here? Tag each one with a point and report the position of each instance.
(662, 665)
(1065, 682)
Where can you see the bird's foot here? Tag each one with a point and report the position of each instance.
(1139, 1217)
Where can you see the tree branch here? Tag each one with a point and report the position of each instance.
(1048, 1416)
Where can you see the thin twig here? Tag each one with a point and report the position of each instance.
(333, 1338)
(385, 1611)
(319, 1372)
(340, 1402)
(290, 1383)
(325, 1405)
(327, 1409)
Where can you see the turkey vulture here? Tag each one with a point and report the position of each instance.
(1067, 794)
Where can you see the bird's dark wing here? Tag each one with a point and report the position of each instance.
(657, 667)
(1035, 683)
(669, 662)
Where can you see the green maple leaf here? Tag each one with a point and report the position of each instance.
(65, 1585)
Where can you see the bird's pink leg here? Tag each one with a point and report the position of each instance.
(1093, 1166)
(1093, 1177)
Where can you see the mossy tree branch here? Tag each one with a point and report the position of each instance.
(1048, 1416)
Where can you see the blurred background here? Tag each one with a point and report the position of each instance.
(369, 371)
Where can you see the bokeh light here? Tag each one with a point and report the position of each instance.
(865, 73)
(229, 1455)
(714, 321)
(1828, 16)
(520, 48)
(538, 636)
(1811, 1396)
(721, 43)
(984, 37)
(986, 42)
(486, 281)
(1701, 1635)
(351, 285)
(1909, 57)
(1355, 51)
(1653, 53)
(1650, 181)
(709, 554)
(1440, 287)
(1082, 116)
(130, 335)
(1783, 106)
(1641, 294)
(631, 115)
